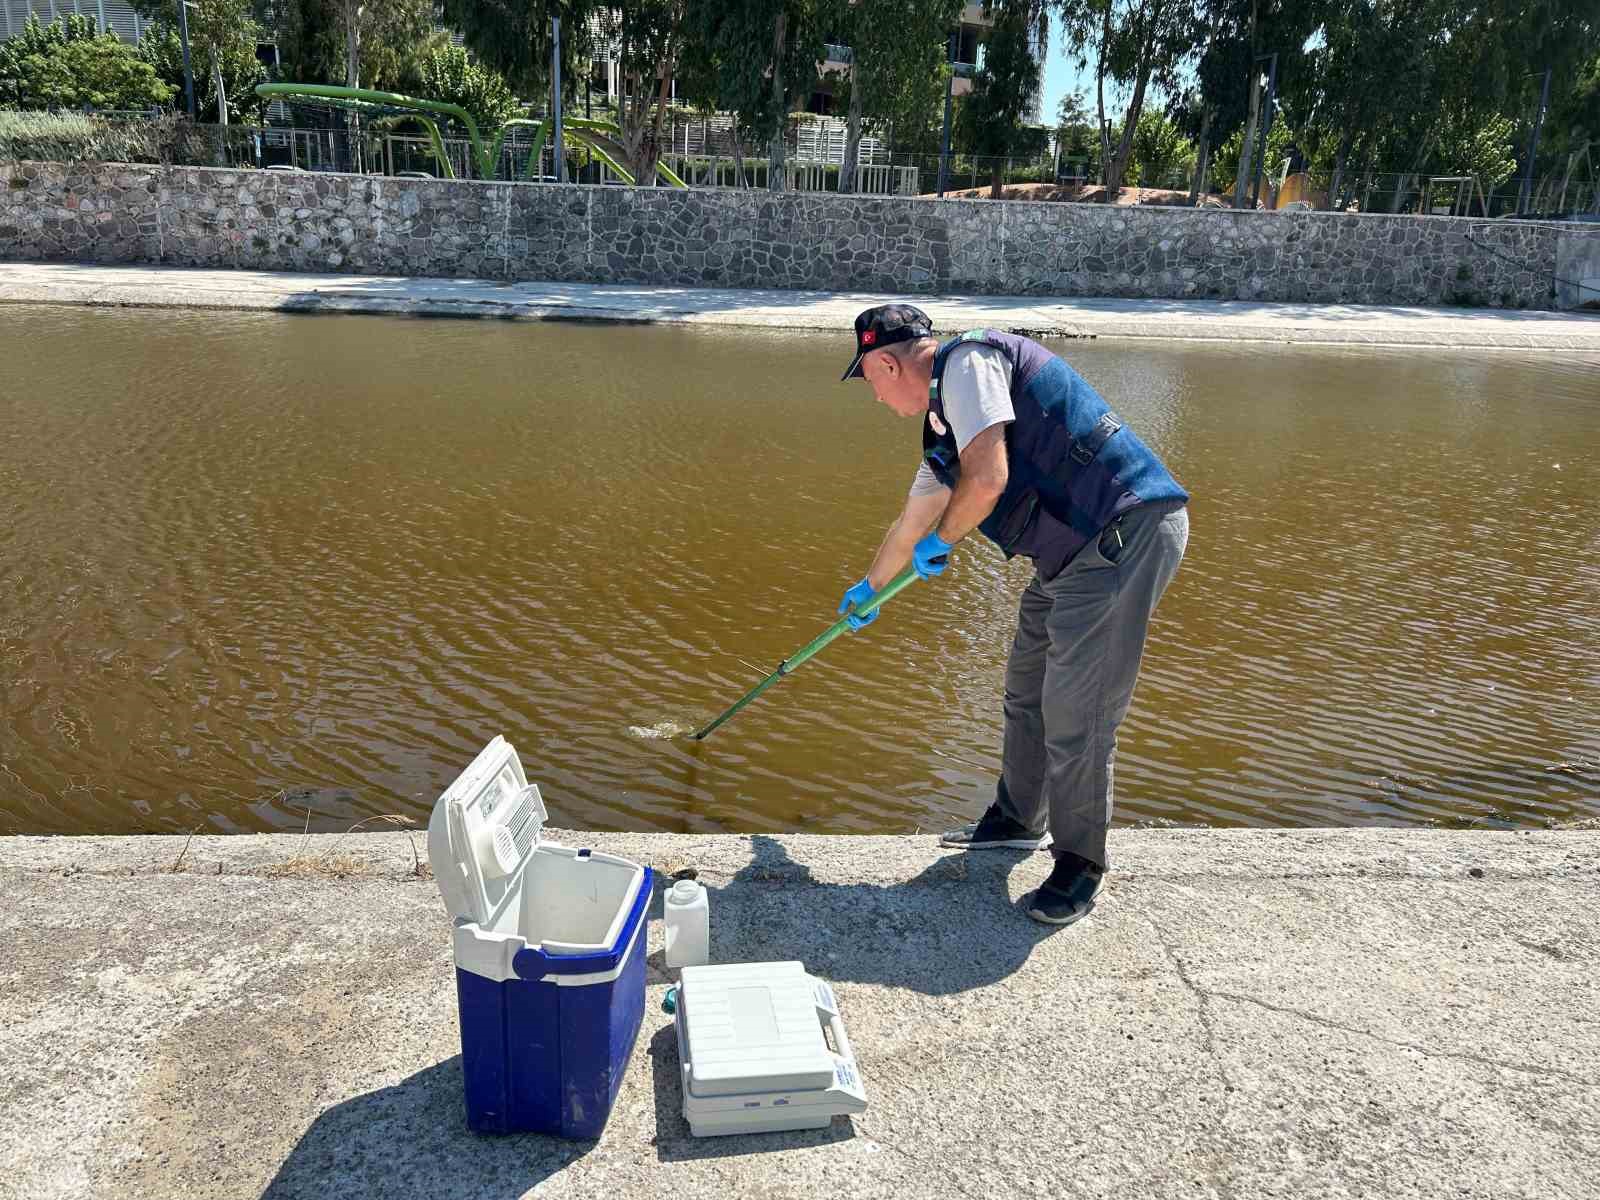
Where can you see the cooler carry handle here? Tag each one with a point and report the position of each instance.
(533, 963)
(841, 1039)
(845, 1073)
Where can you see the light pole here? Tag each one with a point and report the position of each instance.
(188, 74)
(555, 97)
(1266, 127)
(1533, 147)
(949, 91)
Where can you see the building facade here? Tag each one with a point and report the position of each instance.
(114, 15)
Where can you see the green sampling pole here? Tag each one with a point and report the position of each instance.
(892, 589)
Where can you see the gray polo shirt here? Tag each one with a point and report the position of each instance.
(977, 394)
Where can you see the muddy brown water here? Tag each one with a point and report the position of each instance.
(257, 570)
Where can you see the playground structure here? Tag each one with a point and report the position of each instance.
(600, 139)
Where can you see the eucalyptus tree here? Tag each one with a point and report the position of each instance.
(899, 57)
(223, 36)
(391, 38)
(752, 59)
(989, 124)
(1136, 44)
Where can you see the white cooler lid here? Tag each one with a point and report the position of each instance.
(483, 830)
(753, 1027)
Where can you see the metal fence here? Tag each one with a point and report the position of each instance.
(702, 155)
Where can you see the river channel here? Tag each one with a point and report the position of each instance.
(259, 572)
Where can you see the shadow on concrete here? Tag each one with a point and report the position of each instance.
(951, 928)
(412, 1139)
(674, 1142)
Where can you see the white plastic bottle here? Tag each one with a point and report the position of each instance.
(688, 918)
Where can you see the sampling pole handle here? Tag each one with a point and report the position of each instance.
(890, 590)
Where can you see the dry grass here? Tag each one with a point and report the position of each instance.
(328, 863)
(177, 863)
(321, 866)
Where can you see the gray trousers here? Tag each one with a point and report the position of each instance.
(1073, 666)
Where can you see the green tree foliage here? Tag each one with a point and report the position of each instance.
(394, 38)
(899, 63)
(161, 46)
(1076, 135)
(449, 74)
(989, 122)
(1571, 132)
(646, 39)
(222, 50)
(755, 59)
(1225, 160)
(1162, 156)
(1135, 44)
(728, 60)
(1482, 150)
(69, 64)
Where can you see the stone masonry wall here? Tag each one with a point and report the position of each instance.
(297, 221)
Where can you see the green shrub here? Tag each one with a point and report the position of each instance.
(1031, 173)
(69, 63)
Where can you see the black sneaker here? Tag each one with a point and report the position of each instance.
(993, 831)
(1069, 893)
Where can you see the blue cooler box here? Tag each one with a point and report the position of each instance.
(549, 950)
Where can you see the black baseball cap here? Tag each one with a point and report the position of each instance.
(884, 326)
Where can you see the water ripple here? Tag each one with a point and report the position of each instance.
(275, 570)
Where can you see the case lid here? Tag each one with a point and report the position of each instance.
(753, 1027)
(482, 832)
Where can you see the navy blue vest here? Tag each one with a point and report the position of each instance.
(1074, 467)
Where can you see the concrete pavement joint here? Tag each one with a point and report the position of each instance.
(1213, 1048)
(1355, 1031)
(1203, 1002)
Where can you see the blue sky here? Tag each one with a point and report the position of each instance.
(1061, 77)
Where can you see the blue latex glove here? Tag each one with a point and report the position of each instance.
(854, 598)
(931, 556)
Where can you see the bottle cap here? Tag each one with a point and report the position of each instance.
(685, 891)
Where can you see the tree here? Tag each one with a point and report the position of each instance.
(645, 39)
(1076, 136)
(222, 41)
(990, 120)
(1159, 151)
(1572, 129)
(70, 64)
(717, 73)
(1402, 84)
(449, 74)
(750, 58)
(1135, 43)
(162, 47)
(393, 37)
(898, 63)
(1480, 149)
(1225, 162)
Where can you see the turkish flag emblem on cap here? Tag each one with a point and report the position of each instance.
(869, 336)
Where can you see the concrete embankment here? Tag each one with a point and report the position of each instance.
(1165, 320)
(1331, 1013)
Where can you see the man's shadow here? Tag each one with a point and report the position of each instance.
(950, 928)
(412, 1139)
